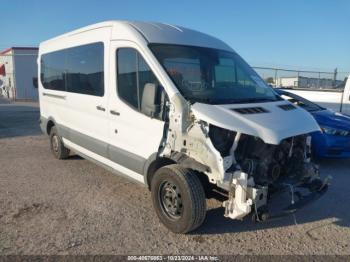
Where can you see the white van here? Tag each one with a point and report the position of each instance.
(178, 111)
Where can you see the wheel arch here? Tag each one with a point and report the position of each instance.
(155, 162)
(46, 124)
(50, 123)
(152, 165)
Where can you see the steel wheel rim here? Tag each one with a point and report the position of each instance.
(170, 200)
(55, 143)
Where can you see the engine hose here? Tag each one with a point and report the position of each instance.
(292, 192)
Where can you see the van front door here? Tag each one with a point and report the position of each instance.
(136, 123)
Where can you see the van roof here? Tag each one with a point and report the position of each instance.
(154, 32)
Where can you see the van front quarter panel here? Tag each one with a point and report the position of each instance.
(179, 111)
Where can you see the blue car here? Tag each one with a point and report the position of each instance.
(334, 140)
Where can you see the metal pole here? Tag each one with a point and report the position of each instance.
(298, 81)
(335, 77)
(14, 90)
(275, 77)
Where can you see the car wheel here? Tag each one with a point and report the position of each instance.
(178, 198)
(57, 147)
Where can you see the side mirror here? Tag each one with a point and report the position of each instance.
(149, 104)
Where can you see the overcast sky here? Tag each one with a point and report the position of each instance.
(313, 34)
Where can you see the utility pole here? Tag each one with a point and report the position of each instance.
(335, 77)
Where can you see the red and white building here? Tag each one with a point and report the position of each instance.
(18, 73)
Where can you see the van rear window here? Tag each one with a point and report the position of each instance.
(76, 70)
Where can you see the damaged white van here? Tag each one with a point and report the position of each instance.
(180, 112)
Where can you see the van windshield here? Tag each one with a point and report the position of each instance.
(212, 76)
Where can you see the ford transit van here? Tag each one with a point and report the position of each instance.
(180, 112)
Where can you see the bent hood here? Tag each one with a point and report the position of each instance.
(272, 125)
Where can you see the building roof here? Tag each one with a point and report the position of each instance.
(17, 48)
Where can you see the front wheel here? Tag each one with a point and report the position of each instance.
(178, 198)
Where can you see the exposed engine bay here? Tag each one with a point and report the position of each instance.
(250, 158)
(267, 163)
(266, 168)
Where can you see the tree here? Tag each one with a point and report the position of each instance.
(270, 80)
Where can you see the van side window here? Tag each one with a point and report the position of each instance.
(127, 77)
(76, 70)
(52, 71)
(133, 75)
(84, 69)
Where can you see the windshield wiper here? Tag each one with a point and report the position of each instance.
(233, 101)
(253, 100)
(203, 100)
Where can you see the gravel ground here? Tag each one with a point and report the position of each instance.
(49, 206)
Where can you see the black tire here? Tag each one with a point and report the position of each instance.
(178, 198)
(57, 147)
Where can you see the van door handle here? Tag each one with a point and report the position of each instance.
(114, 113)
(100, 108)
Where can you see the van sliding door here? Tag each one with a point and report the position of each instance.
(86, 102)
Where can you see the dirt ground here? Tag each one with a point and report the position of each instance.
(49, 206)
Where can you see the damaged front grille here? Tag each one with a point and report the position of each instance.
(268, 163)
(264, 162)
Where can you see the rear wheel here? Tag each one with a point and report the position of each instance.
(57, 147)
(178, 198)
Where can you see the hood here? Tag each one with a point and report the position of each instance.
(332, 119)
(272, 125)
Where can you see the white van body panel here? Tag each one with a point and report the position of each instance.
(271, 127)
(163, 34)
(123, 170)
(150, 32)
(131, 130)
(75, 111)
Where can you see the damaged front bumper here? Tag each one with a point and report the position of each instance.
(245, 198)
(299, 196)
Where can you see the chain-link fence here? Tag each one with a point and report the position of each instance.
(291, 78)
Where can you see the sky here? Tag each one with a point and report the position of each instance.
(300, 34)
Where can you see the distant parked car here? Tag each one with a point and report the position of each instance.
(337, 99)
(334, 140)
